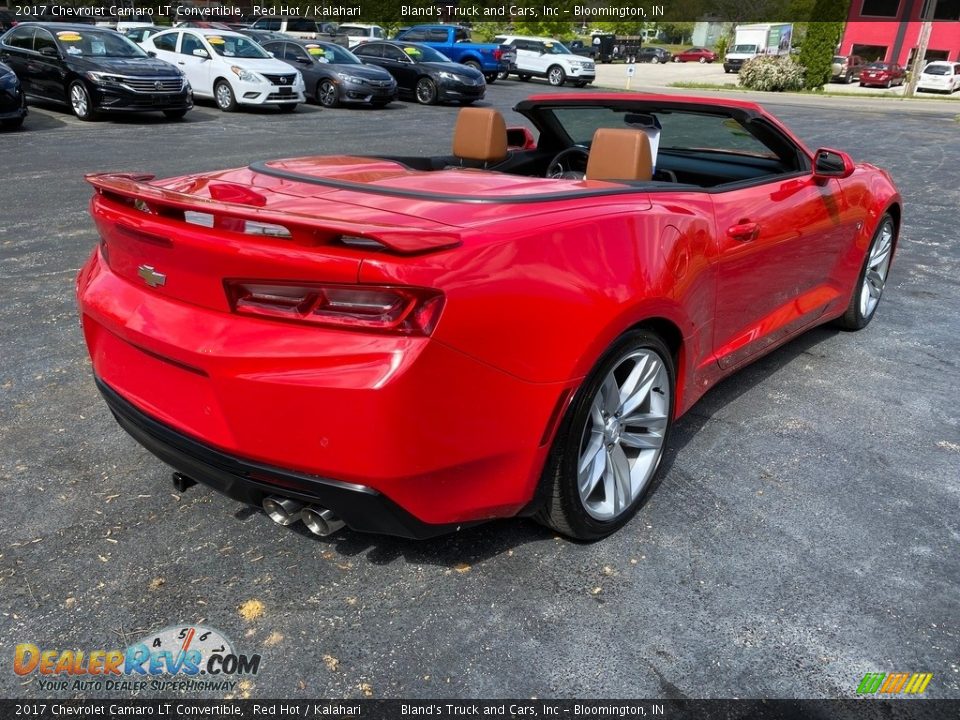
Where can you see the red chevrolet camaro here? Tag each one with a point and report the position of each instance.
(410, 345)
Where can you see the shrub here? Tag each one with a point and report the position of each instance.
(816, 54)
(772, 73)
(720, 48)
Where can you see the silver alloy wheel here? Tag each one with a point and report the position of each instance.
(328, 94)
(878, 265)
(622, 441)
(224, 95)
(425, 91)
(556, 75)
(79, 100)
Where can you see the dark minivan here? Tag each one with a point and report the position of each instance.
(92, 70)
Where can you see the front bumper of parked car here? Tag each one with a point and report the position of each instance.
(364, 90)
(461, 90)
(266, 93)
(122, 97)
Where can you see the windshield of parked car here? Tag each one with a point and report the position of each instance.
(330, 53)
(744, 48)
(936, 70)
(236, 46)
(878, 66)
(678, 130)
(97, 43)
(424, 53)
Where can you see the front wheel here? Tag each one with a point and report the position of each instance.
(609, 447)
(223, 94)
(327, 95)
(872, 278)
(702, 60)
(426, 91)
(676, 59)
(80, 101)
(556, 76)
(655, 60)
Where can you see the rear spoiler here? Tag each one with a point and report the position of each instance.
(237, 203)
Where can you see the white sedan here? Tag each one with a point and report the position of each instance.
(228, 67)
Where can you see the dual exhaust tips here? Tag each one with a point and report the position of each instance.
(319, 520)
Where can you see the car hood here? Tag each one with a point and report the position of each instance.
(260, 65)
(146, 67)
(369, 72)
(455, 68)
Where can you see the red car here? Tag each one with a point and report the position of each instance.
(695, 54)
(410, 345)
(885, 74)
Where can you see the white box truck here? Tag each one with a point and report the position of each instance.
(749, 41)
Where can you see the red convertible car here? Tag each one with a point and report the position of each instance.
(410, 345)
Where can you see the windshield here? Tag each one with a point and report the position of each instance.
(424, 53)
(97, 43)
(936, 70)
(555, 48)
(236, 46)
(744, 48)
(330, 53)
(878, 66)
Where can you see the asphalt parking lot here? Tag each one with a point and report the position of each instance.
(806, 530)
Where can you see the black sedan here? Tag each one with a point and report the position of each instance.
(333, 74)
(92, 70)
(13, 104)
(653, 55)
(424, 73)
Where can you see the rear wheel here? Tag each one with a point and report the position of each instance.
(327, 95)
(609, 448)
(872, 278)
(473, 64)
(80, 101)
(556, 76)
(426, 91)
(491, 78)
(524, 77)
(502, 75)
(223, 95)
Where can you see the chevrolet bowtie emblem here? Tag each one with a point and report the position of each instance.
(150, 276)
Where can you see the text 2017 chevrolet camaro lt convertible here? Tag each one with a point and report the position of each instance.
(410, 345)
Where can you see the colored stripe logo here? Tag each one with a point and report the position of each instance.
(892, 683)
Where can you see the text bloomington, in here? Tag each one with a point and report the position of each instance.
(579, 12)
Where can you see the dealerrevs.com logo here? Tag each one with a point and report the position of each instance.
(190, 657)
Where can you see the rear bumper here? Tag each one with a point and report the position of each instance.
(360, 507)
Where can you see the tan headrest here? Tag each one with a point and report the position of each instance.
(620, 154)
(480, 134)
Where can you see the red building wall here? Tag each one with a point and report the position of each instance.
(897, 36)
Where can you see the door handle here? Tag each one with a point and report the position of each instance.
(744, 231)
(180, 62)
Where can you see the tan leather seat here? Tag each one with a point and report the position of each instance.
(480, 136)
(620, 154)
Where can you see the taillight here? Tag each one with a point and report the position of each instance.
(497, 54)
(398, 310)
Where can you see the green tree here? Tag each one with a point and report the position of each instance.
(818, 50)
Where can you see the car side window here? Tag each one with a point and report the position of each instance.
(373, 50)
(190, 43)
(21, 38)
(166, 42)
(392, 53)
(302, 25)
(437, 36)
(43, 39)
(415, 36)
(294, 52)
(267, 24)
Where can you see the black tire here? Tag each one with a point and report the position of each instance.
(12, 124)
(288, 107)
(703, 60)
(502, 75)
(727, 70)
(224, 97)
(426, 91)
(174, 114)
(491, 78)
(327, 94)
(556, 76)
(676, 59)
(473, 64)
(81, 102)
(655, 60)
(854, 318)
(562, 508)
(523, 77)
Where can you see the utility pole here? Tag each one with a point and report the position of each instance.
(922, 42)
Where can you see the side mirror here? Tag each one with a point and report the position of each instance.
(201, 53)
(303, 60)
(829, 163)
(49, 52)
(520, 138)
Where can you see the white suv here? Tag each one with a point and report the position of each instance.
(940, 76)
(360, 32)
(550, 59)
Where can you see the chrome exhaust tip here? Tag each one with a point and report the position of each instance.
(282, 511)
(320, 521)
